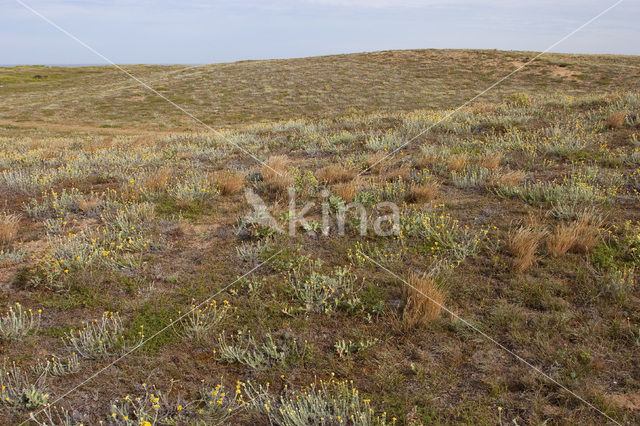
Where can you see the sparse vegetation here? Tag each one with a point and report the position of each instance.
(518, 214)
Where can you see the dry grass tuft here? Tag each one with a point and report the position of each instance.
(457, 162)
(98, 144)
(88, 203)
(491, 160)
(508, 179)
(347, 190)
(157, 180)
(275, 174)
(427, 161)
(335, 173)
(616, 120)
(580, 235)
(8, 227)
(228, 181)
(398, 172)
(424, 299)
(424, 192)
(378, 162)
(523, 244)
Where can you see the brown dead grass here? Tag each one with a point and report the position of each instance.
(580, 235)
(335, 173)
(88, 203)
(403, 171)
(347, 190)
(427, 161)
(507, 179)
(228, 181)
(457, 162)
(424, 299)
(275, 173)
(523, 244)
(8, 227)
(157, 180)
(378, 162)
(424, 192)
(491, 161)
(616, 120)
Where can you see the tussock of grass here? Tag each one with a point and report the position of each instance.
(335, 173)
(157, 181)
(424, 299)
(616, 120)
(580, 235)
(457, 162)
(507, 179)
(491, 160)
(228, 182)
(275, 173)
(523, 244)
(424, 192)
(347, 190)
(8, 227)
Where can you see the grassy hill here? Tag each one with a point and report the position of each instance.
(142, 287)
(322, 87)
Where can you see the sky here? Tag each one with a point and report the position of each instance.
(199, 31)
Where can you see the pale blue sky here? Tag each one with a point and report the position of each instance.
(198, 31)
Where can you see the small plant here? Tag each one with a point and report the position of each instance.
(331, 403)
(52, 416)
(520, 99)
(220, 404)
(388, 142)
(193, 187)
(304, 182)
(149, 409)
(470, 177)
(440, 235)
(97, 339)
(323, 293)
(201, 320)
(18, 391)
(490, 160)
(253, 354)
(10, 258)
(345, 348)
(18, 322)
(251, 253)
(312, 226)
(386, 255)
(58, 366)
(424, 299)
(618, 283)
